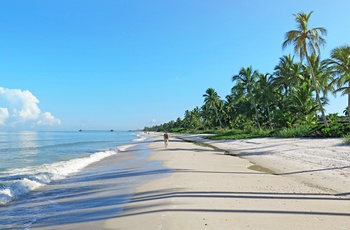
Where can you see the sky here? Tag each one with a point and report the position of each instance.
(127, 64)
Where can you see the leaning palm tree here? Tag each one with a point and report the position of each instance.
(322, 74)
(340, 64)
(307, 42)
(212, 101)
(247, 79)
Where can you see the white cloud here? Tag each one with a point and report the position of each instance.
(4, 114)
(47, 119)
(21, 107)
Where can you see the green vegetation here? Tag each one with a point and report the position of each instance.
(297, 131)
(236, 134)
(347, 139)
(289, 102)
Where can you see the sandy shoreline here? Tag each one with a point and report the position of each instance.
(98, 193)
(210, 190)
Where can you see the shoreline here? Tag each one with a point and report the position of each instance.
(99, 192)
(208, 189)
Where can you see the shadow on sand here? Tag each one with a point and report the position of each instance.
(84, 204)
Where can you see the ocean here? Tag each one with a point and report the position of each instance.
(57, 178)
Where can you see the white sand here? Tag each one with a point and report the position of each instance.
(210, 190)
(324, 162)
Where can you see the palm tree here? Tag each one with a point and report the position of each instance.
(247, 79)
(212, 101)
(322, 73)
(196, 116)
(340, 64)
(230, 109)
(301, 104)
(187, 121)
(307, 42)
(266, 94)
(287, 74)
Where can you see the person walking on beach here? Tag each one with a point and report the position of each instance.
(166, 139)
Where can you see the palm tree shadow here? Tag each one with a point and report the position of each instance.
(142, 207)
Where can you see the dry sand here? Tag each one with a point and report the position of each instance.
(210, 190)
(323, 162)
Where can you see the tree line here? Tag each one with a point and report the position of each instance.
(295, 93)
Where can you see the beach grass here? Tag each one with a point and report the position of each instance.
(335, 129)
(297, 131)
(346, 139)
(239, 134)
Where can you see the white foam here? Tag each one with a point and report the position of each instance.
(37, 176)
(140, 138)
(125, 147)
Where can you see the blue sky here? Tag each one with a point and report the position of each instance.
(118, 64)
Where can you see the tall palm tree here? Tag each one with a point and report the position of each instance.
(323, 78)
(212, 101)
(307, 42)
(322, 73)
(340, 64)
(247, 79)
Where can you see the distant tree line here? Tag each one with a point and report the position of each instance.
(293, 94)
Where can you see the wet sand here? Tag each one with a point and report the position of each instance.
(99, 192)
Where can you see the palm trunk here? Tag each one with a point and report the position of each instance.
(217, 115)
(316, 90)
(257, 115)
(255, 107)
(269, 116)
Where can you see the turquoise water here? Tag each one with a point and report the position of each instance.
(39, 169)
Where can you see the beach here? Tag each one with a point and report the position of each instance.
(267, 184)
(70, 179)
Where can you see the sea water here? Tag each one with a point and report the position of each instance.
(37, 169)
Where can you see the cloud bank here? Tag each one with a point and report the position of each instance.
(18, 107)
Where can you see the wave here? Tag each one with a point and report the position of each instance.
(124, 147)
(140, 138)
(21, 181)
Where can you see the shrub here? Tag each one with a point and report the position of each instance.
(346, 139)
(334, 130)
(297, 131)
(239, 134)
